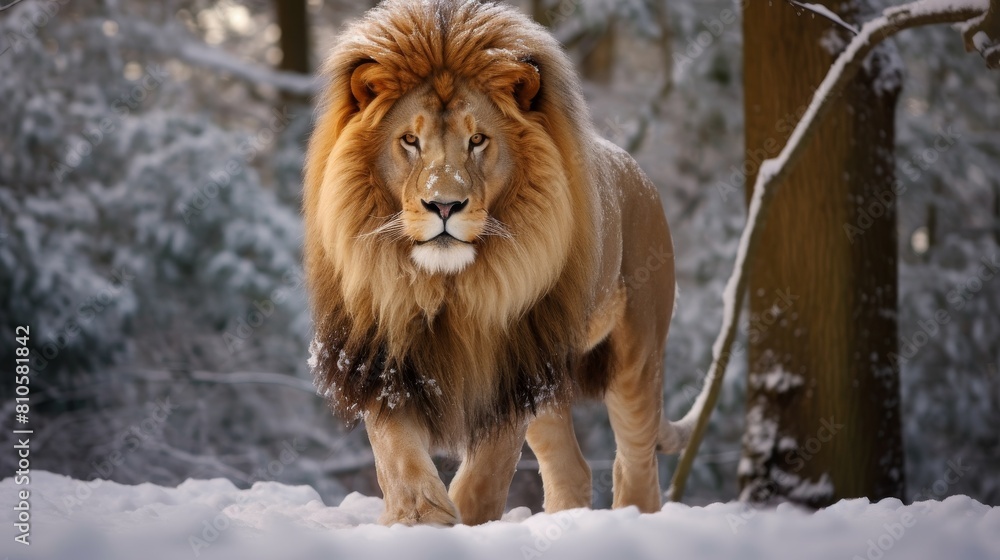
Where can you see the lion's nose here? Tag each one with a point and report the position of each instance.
(445, 209)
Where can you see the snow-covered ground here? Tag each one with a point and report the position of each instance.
(77, 520)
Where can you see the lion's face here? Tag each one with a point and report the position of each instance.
(445, 163)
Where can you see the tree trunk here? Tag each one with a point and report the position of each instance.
(823, 393)
(293, 19)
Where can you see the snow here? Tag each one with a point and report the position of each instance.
(315, 350)
(804, 490)
(827, 13)
(777, 380)
(890, 69)
(924, 7)
(72, 519)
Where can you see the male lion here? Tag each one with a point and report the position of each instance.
(477, 258)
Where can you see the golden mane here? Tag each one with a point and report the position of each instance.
(481, 350)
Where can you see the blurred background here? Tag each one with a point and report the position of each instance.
(150, 234)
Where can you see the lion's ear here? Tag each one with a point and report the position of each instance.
(365, 85)
(528, 85)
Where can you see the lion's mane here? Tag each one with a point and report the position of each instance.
(483, 349)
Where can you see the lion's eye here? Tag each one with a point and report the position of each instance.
(410, 141)
(477, 142)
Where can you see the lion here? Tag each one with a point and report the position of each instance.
(477, 259)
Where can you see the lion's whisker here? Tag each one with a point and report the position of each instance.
(494, 227)
(393, 224)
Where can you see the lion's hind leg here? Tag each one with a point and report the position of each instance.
(635, 403)
(566, 478)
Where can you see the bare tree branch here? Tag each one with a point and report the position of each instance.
(770, 176)
(232, 378)
(982, 34)
(823, 11)
(196, 52)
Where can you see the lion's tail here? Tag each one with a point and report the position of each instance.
(675, 435)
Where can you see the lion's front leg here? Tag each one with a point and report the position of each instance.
(411, 487)
(566, 478)
(480, 487)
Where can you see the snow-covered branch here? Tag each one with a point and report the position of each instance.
(773, 171)
(823, 11)
(237, 377)
(982, 34)
(196, 53)
(200, 54)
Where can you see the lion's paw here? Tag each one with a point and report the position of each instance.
(422, 504)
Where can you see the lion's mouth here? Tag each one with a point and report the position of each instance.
(443, 239)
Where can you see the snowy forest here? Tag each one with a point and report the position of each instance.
(150, 236)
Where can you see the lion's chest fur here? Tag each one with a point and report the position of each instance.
(464, 377)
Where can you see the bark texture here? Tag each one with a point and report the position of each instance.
(822, 394)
